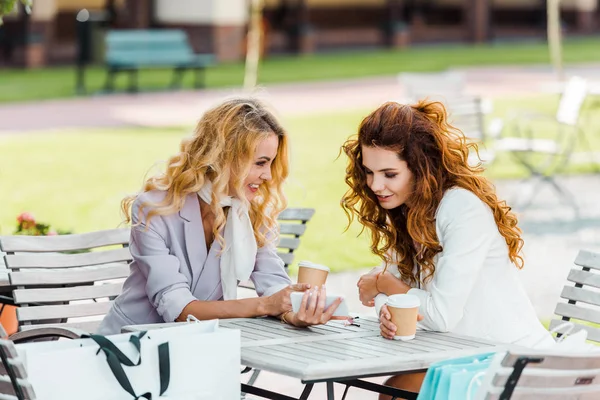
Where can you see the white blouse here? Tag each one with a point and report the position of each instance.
(475, 290)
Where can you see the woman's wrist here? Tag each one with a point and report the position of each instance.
(379, 282)
(262, 307)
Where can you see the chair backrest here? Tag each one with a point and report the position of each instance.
(147, 46)
(571, 101)
(437, 86)
(55, 287)
(534, 375)
(582, 295)
(292, 225)
(466, 114)
(13, 376)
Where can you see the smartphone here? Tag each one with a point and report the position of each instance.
(341, 311)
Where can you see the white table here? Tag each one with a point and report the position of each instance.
(336, 353)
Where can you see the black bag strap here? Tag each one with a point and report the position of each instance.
(117, 370)
(164, 367)
(103, 342)
(116, 359)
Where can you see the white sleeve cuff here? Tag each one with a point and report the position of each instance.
(274, 289)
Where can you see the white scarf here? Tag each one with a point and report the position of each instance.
(239, 255)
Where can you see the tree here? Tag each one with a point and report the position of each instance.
(253, 46)
(7, 6)
(555, 37)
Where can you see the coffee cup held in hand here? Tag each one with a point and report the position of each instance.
(403, 310)
(314, 274)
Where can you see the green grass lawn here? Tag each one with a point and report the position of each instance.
(75, 179)
(21, 85)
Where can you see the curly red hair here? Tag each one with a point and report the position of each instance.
(437, 154)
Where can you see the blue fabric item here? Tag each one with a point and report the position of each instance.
(438, 383)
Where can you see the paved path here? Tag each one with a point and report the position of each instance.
(183, 108)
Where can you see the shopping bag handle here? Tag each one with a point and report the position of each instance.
(116, 359)
(105, 343)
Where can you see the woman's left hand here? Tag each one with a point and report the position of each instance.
(367, 288)
(312, 309)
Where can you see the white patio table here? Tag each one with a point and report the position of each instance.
(337, 353)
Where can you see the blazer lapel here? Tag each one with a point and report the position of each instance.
(194, 236)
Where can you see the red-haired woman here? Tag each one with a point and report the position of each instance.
(439, 227)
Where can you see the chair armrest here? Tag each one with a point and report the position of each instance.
(49, 332)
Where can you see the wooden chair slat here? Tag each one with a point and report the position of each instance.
(74, 276)
(17, 367)
(576, 312)
(78, 241)
(49, 295)
(580, 294)
(584, 277)
(86, 326)
(554, 362)
(62, 311)
(585, 393)
(296, 214)
(588, 259)
(288, 243)
(593, 332)
(67, 260)
(292, 229)
(6, 386)
(556, 380)
(287, 258)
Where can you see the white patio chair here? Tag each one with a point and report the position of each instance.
(545, 157)
(582, 306)
(466, 112)
(536, 375)
(52, 287)
(434, 85)
(13, 376)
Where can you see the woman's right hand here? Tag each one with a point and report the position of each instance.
(280, 302)
(387, 328)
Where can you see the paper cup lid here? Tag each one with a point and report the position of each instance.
(403, 301)
(309, 264)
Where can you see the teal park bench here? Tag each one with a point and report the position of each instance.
(130, 50)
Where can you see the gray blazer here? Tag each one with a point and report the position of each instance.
(171, 268)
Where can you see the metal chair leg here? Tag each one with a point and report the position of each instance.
(253, 377)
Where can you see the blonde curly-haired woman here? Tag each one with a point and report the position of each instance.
(209, 222)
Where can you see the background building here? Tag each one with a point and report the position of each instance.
(49, 34)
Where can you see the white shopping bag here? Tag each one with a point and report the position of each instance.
(203, 362)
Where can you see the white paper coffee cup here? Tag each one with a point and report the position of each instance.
(403, 310)
(315, 274)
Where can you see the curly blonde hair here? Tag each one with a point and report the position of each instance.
(437, 154)
(222, 149)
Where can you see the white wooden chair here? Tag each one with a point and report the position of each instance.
(13, 376)
(434, 85)
(537, 375)
(52, 287)
(546, 156)
(466, 112)
(582, 295)
(292, 225)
